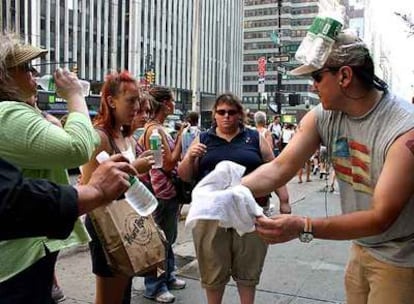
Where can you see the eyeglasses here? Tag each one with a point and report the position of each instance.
(317, 75)
(224, 112)
(27, 67)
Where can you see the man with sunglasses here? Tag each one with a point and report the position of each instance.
(369, 134)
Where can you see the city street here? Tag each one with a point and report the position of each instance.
(293, 273)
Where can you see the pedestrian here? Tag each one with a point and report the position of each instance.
(190, 132)
(119, 105)
(287, 134)
(281, 192)
(276, 129)
(166, 214)
(222, 253)
(41, 150)
(369, 135)
(141, 118)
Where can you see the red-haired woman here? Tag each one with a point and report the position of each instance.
(120, 104)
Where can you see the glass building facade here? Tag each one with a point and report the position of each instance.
(194, 47)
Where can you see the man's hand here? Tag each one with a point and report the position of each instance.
(106, 184)
(279, 228)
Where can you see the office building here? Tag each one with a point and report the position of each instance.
(194, 47)
(265, 37)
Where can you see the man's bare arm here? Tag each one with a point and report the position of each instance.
(279, 171)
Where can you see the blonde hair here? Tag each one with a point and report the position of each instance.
(8, 42)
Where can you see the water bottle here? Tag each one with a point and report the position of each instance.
(322, 44)
(47, 83)
(156, 148)
(187, 138)
(137, 195)
(307, 42)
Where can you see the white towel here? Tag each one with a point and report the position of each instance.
(220, 196)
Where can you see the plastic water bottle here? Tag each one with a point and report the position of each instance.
(156, 148)
(187, 138)
(137, 195)
(307, 42)
(322, 44)
(47, 83)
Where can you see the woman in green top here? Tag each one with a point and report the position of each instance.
(41, 150)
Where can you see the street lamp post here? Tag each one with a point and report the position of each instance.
(278, 98)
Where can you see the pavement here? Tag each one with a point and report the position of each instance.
(294, 272)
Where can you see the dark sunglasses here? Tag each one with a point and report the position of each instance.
(317, 75)
(224, 112)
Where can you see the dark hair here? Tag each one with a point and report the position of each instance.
(192, 118)
(366, 75)
(231, 100)
(160, 94)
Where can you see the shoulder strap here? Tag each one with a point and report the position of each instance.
(110, 139)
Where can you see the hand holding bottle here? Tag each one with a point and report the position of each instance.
(145, 161)
(137, 195)
(69, 88)
(68, 84)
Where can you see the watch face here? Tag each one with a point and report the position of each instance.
(305, 237)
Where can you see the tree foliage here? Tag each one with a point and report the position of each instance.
(408, 21)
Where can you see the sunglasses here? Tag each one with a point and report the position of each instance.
(27, 67)
(317, 75)
(224, 112)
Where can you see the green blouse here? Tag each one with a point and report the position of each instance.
(41, 150)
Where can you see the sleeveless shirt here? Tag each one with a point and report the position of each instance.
(358, 147)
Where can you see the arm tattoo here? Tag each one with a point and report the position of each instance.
(410, 145)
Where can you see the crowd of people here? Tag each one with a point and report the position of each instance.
(360, 128)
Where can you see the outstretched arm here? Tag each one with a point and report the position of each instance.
(392, 192)
(278, 172)
(39, 207)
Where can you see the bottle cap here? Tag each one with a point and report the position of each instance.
(102, 156)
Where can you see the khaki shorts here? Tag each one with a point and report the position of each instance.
(222, 253)
(371, 281)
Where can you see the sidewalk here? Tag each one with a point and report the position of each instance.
(293, 273)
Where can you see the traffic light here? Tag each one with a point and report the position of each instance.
(148, 77)
(152, 77)
(75, 69)
(294, 99)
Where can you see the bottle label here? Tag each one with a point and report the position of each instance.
(155, 144)
(132, 179)
(317, 25)
(331, 28)
(51, 86)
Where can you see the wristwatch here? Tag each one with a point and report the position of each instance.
(306, 235)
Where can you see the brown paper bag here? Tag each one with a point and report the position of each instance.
(133, 245)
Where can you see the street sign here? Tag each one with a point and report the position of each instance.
(261, 85)
(279, 58)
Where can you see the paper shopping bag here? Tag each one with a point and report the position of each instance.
(133, 245)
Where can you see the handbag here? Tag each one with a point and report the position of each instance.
(183, 189)
(133, 244)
